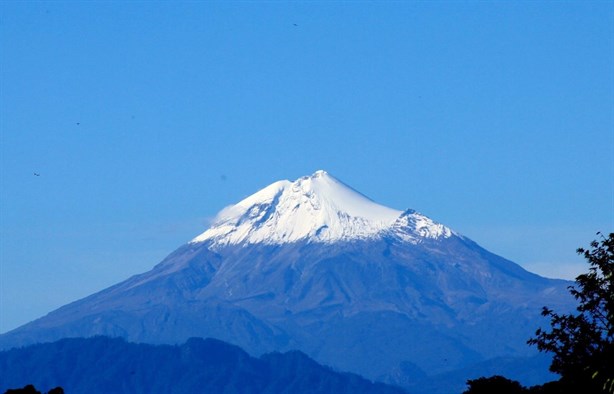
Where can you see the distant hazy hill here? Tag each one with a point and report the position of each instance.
(112, 365)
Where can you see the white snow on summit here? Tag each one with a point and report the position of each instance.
(318, 208)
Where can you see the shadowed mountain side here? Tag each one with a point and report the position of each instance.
(111, 365)
(157, 307)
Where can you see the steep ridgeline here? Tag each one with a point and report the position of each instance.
(316, 266)
(102, 365)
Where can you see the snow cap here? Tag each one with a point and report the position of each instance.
(315, 208)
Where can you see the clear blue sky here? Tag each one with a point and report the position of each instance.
(144, 119)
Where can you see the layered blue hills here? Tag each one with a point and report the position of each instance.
(315, 266)
(102, 365)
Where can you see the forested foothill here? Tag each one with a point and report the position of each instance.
(103, 365)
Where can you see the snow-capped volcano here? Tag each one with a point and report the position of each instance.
(317, 208)
(316, 266)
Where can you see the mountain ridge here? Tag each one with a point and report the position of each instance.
(198, 365)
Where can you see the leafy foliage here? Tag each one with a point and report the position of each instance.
(583, 343)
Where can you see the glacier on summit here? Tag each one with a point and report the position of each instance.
(317, 208)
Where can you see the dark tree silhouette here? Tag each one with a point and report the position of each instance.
(583, 343)
(29, 389)
(495, 384)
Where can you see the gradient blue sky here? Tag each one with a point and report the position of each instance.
(145, 119)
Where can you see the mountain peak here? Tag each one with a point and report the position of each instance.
(319, 174)
(315, 208)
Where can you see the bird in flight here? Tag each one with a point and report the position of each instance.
(78, 123)
(37, 174)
